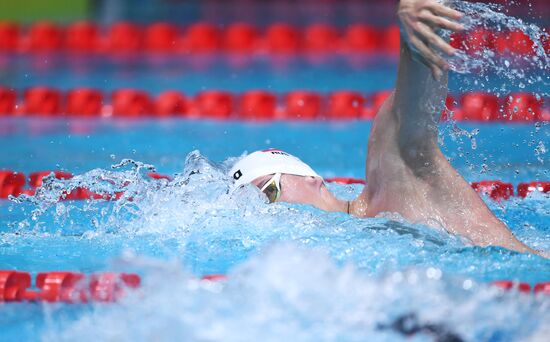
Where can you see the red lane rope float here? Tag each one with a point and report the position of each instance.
(84, 102)
(201, 37)
(9, 36)
(512, 285)
(525, 188)
(543, 288)
(497, 190)
(8, 100)
(346, 180)
(264, 105)
(108, 287)
(162, 37)
(302, 105)
(13, 183)
(69, 287)
(82, 36)
(240, 37)
(320, 38)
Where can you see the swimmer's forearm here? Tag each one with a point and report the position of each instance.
(421, 86)
(417, 104)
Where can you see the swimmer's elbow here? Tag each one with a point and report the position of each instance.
(419, 154)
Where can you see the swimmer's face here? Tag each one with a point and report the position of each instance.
(302, 189)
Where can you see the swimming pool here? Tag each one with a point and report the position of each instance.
(282, 260)
(293, 271)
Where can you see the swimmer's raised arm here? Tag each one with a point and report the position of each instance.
(406, 171)
(421, 87)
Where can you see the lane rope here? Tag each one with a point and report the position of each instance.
(202, 37)
(108, 287)
(258, 105)
(15, 183)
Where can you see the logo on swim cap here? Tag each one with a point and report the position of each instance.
(274, 151)
(267, 162)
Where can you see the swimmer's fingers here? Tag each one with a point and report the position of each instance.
(431, 59)
(444, 11)
(442, 22)
(434, 40)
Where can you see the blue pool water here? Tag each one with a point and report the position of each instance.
(293, 270)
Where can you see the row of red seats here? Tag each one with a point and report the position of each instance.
(68, 287)
(74, 287)
(124, 37)
(255, 104)
(13, 183)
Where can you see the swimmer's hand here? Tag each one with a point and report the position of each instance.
(420, 19)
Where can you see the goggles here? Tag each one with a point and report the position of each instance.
(272, 188)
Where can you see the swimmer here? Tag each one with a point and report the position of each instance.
(406, 171)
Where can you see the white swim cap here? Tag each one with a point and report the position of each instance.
(266, 162)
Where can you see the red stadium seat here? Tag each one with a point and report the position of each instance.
(9, 36)
(170, 103)
(257, 104)
(282, 38)
(161, 37)
(320, 38)
(478, 106)
(82, 36)
(214, 104)
(345, 105)
(240, 37)
(302, 105)
(131, 103)
(42, 101)
(84, 102)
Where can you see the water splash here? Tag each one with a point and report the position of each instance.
(288, 292)
(520, 69)
(127, 200)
